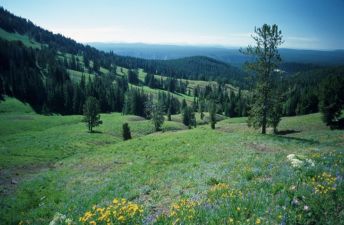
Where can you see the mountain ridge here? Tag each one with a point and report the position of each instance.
(229, 55)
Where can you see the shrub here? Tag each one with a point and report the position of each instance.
(126, 131)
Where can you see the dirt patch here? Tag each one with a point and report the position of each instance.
(259, 147)
(135, 118)
(11, 177)
(234, 127)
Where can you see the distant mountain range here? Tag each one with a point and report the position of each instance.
(228, 55)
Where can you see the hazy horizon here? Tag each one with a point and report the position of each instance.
(313, 25)
(201, 45)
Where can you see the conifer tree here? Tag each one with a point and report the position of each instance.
(212, 115)
(91, 113)
(155, 112)
(126, 131)
(267, 39)
(332, 101)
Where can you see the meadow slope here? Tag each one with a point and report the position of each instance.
(50, 164)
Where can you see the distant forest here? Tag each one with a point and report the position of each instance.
(39, 76)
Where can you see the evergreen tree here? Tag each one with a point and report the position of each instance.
(188, 117)
(2, 92)
(274, 115)
(169, 114)
(133, 77)
(332, 100)
(96, 65)
(135, 101)
(126, 131)
(184, 105)
(156, 114)
(201, 109)
(91, 113)
(212, 115)
(267, 39)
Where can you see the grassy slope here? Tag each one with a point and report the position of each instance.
(18, 37)
(153, 170)
(191, 83)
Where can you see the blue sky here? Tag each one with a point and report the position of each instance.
(308, 24)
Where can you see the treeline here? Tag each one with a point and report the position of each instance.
(301, 92)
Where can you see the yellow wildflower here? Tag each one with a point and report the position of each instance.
(121, 218)
(230, 220)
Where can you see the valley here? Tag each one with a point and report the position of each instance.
(126, 133)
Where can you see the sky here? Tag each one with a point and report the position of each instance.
(305, 24)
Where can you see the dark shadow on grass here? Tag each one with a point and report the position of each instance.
(338, 125)
(308, 141)
(95, 132)
(285, 132)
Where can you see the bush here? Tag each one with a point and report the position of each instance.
(126, 131)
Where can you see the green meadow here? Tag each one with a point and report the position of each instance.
(230, 175)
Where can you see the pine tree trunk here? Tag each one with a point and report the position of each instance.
(264, 114)
(264, 128)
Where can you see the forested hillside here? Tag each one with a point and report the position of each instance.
(60, 73)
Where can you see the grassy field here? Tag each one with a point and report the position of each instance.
(233, 174)
(18, 37)
(192, 84)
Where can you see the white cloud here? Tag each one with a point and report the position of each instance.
(301, 42)
(145, 35)
(121, 34)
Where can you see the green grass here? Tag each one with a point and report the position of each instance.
(121, 71)
(156, 169)
(18, 37)
(155, 92)
(76, 75)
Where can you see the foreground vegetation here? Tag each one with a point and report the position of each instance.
(228, 175)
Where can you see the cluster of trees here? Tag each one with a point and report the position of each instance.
(332, 101)
(37, 77)
(20, 75)
(226, 101)
(302, 91)
(169, 84)
(195, 68)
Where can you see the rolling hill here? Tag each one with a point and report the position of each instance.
(51, 165)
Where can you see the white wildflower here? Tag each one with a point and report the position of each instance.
(291, 156)
(299, 161)
(293, 188)
(310, 162)
(296, 163)
(58, 219)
